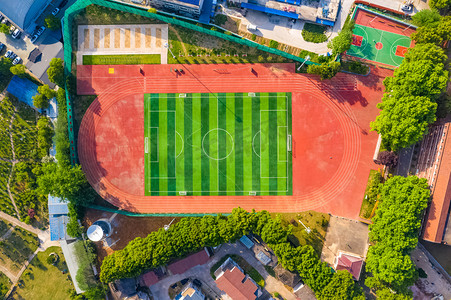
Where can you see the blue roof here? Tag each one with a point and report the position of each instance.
(193, 2)
(58, 227)
(270, 10)
(23, 89)
(325, 22)
(22, 12)
(293, 2)
(205, 13)
(246, 242)
(57, 206)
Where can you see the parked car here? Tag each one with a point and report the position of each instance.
(17, 60)
(55, 11)
(8, 53)
(406, 8)
(34, 38)
(13, 56)
(40, 30)
(1, 17)
(2, 46)
(5, 21)
(16, 33)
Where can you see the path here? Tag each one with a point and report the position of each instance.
(13, 161)
(8, 233)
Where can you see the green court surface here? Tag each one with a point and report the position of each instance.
(217, 144)
(388, 40)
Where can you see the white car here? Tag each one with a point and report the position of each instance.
(34, 38)
(17, 60)
(55, 11)
(16, 33)
(8, 53)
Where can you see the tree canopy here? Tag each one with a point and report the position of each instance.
(56, 71)
(52, 22)
(435, 33)
(18, 70)
(426, 17)
(325, 70)
(394, 233)
(343, 40)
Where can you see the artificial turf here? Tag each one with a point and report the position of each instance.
(122, 59)
(217, 144)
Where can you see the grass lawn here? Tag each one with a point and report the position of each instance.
(193, 47)
(371, 193)
(316, 221)
(314, 33)
(247, 268)
(4, 226)
(126, 59)
(44, 281)
(17, 248)
(5, 284)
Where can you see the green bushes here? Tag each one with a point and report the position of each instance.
(343, 40)
(314, 33)
(85, 256)
(45, 135)
(273, 44)
(355, 67)
(325, 70)
(220, 19)
(191, 234)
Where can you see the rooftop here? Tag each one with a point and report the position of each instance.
(352, 263)
(183, 265)
(235, 283)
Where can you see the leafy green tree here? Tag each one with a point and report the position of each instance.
(435, 34)
(394, 233)
(52, 22)
(46, 91)
(4, 28)
(61, 133)
(95, 293)
(440, 4)
(325, 70)
(426, 52)
(45, 134)
(342, 42)
(426, 17)
(342, 286)
(40, 101)
(18, 70)
(56, 71)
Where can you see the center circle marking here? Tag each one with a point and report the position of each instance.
(216, 132)
(379, 45)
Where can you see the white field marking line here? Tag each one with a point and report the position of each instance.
(395, 45)
(182, 143)
(253, 148)
(146, 145)
(261, 141)
(377, 51)
(373, 19)
(175, 150)
(278, 144)
(217, 129)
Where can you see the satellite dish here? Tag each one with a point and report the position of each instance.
(95, 233)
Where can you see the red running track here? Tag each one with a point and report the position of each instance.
(332, 145)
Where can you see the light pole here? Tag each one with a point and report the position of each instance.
(306, 228)
(305, 59)
(166, 227)
(166, 45)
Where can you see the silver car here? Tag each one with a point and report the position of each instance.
(8, 53)
(17, 60)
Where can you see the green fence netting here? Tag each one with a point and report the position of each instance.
(79, 5)
(132, 214)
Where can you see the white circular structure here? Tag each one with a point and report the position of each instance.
(95, 233)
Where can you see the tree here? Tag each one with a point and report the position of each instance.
(4, 28)
(426, 52)
(52, 22)
(46, 91)
(342, 287)
(18, 70)
(342, 42)
(394, 233)
(44, 136)
(436, 33)
(426, 17)
(55, 71)
(440, 4)
(388, 158)
(40, 101)
(325, 70)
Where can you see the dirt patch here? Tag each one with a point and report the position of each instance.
(158, 36)
(148, 37)
(86, 38)
(96, 38)
(106, 38)
(232, 24)
(127, 38)
(137, 37)
(117, 38)
(125, 228)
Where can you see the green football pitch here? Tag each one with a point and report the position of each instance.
(217, 144)
(388, 40)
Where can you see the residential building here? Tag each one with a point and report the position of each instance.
(230, 278)
(190, 292)
(350, 262)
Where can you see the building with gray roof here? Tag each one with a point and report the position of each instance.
(23, 13)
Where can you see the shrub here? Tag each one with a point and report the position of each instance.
(314, 33)
(260, 58)
(273, 44)
(18, 70)
(51, 259)
(52, 22)
(269, 58)
(253, 37)
(325, 70)
(152, 10)
(388, 158)
(220, 19)
(422, 273)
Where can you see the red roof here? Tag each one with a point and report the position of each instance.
(233, 284)
(352, 264)
(150, 278)
(187, 263)
(434, 226)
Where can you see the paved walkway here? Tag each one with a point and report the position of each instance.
(272, 285)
